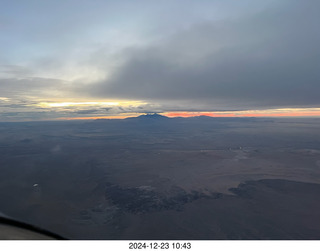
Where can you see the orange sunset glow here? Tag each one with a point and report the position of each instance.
(250, 113)
(294, 112)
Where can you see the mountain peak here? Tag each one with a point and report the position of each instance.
(152, 116)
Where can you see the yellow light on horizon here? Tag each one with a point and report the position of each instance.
(4, 99)
(89, 103)
(67, 104)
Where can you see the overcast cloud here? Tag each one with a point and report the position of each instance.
(172, 55)
(266, 59)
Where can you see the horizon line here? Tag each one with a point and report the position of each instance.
(266, 113)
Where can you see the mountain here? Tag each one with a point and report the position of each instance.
(149, 117)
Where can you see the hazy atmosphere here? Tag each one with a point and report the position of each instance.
(159, 178)
(160, 120)
(77, 59)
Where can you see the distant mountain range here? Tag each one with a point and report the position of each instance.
(157, 118)
(149, 116)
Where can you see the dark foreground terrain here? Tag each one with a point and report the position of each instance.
(158, 178)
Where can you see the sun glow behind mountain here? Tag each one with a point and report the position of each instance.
(284, 112)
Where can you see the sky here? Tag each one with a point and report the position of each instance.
(76, 59)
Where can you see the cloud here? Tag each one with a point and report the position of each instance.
(9, 71)
(87, 111)
(41, 88)
(170, 55)
(20, 98)
(267, 59)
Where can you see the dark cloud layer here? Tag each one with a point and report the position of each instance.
(267, 59)
(170, 55)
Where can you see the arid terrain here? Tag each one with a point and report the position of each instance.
(153, 177)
